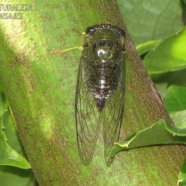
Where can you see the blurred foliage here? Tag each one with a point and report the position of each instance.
(151, 19)
(175, 99)
(171, 78)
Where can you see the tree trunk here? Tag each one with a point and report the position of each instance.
(40, 89)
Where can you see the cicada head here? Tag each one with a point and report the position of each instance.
(105, 32)
(105, 40)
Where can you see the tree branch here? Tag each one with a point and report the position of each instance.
(40, 88)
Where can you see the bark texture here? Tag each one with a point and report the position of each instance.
(40, 88)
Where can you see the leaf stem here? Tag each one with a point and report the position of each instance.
(67, 50)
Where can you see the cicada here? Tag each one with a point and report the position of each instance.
(100, 90)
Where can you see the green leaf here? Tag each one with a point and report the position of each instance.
(146, 47)
(151, 19)
(12, 176)
(179, 118)
(182, 175)
(162, 89)
(160, 133)
(8, 156)
(3, 104)
(11, 133)
(169, 56)
(173, 78)
(9, 139)
(1, 88)
(175, 99)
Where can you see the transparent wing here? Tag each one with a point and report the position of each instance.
(87, 116)
(113, 113)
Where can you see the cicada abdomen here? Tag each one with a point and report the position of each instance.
(100, 89)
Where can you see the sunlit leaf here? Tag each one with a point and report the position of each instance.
(169, 56)
(162, 89)
(146, 47)
(179, 119)
(182, 175)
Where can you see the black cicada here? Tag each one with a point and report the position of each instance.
(100, 89)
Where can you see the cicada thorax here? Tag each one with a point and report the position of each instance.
(103, 69)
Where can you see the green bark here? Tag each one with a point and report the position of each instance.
(40, 89)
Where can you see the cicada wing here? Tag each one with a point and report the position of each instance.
(113, 114)
(87, 116)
